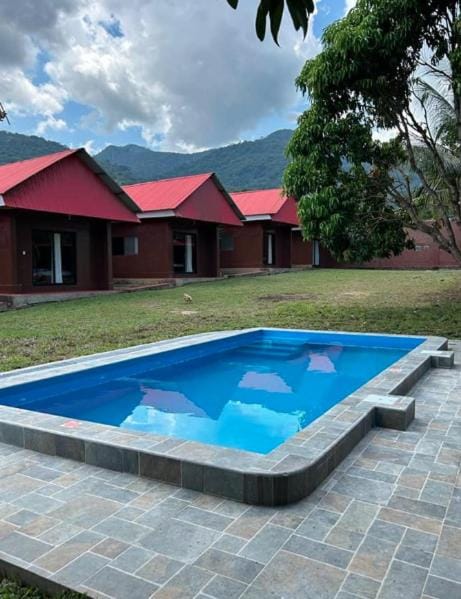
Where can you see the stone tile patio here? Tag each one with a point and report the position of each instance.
(386, 523)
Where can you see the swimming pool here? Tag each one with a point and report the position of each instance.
(251, 392)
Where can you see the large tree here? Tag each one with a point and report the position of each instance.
(391, 69)
(273, 10)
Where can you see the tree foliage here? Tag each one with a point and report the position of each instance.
(273, 10)
(391, 66)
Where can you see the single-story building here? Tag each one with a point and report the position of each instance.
(55, 223)
(178, 235)
(270, 238)
(426, 255)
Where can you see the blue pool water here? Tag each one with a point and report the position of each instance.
(252, 392)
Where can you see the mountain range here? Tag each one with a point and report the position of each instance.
(255, 164)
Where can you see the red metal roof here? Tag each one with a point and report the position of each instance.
(270, 202)
(68, 182)
(14, 173)
(195, 197)
(166, 194)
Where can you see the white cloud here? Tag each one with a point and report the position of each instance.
(191, 73)
(21, 96)
(349, 4)
(50, 122)
(93, 147)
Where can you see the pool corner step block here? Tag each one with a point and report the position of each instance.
(392, 411)
(441, 358)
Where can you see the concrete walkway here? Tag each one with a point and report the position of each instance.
(386, 523)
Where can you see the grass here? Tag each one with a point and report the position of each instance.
(14, 590)
(413, 302)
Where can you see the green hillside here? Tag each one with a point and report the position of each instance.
(245, 165)
(14, 146)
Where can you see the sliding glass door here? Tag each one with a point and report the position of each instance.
(269, 248)
(184, 252)
(53, 258)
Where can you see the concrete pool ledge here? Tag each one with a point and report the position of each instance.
(286, 474)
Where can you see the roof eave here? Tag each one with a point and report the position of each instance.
(228, 197)
(156, 214)
(107, 180)
(256, 217)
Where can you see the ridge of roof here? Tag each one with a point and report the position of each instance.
(204, 175)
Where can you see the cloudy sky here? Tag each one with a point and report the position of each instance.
(173, 75)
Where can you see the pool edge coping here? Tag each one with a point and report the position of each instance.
(286, 474)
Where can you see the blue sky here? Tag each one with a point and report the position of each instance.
(169, 74)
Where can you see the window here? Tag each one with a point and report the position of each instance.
(124, 246)
(226, 241)
(184, 252)
(269, 248)
(53, 258)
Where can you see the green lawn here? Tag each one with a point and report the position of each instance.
(426, 302)
(14, 590)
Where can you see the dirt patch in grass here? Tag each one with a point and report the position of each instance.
(356, 294)
(287, 297)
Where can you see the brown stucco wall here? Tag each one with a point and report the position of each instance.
(155, 249)
(92, 251)
(301, 251)
(8, 267)
(248, 246)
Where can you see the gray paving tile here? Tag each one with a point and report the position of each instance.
(414, 506)
(296, 577)
(61, 555)
(446, 567)
(132, 559)
(361, 586)
(386, 530)
(17, 485)
(42, 473)
(250, 522)
(110, 548)
(412, 555)
(229, 543)
(179, 540)
(168, 508)
(60, 533)
(358, 516)
(364, 489)
(319, 551)
(22, 517)
(39, 503)
(265, 543)
(404, 581)
(186, 584)
(114, 583)
(442, 588)
(123, 530)
(344, 538)
(318, 524)
(221, 587)
(79, 570)
(22, 546)
(420, 540)
(205, 518)
(160, 569)
(229, 565)
(437, 492)
(85, 511)
(450, 542)
(373, 557)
